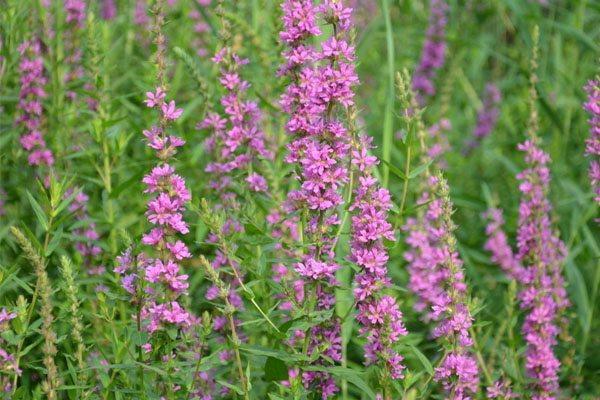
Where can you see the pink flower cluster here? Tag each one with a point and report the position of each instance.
(86, 242)
(8, 363)
(433, 55)
(237, 141)
(109, 10)
(321, 82)
(542, 254)
(487, 116)
(140, 15)
(592, 106)
(378, 314)
(497, 244)
(161, 274)
(75, 11)
(439, 144)
(33, 82)
(437, 278)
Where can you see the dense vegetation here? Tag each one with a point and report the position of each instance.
(298, 199)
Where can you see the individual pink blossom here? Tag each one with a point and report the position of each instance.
(170, 111)
(256, 182)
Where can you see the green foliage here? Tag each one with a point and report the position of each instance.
(84, 325)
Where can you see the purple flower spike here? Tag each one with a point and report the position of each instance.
(592, 149)
(378, 315)
(437, 278)
(164, 283)
(542, 253)
(237, 142)
(31, 95)
(433, 55)
(486, 117)
(321, 86)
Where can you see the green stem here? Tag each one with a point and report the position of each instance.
(388, 123)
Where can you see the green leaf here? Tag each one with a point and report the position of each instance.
(275, 370)
(424, 360)
(54, 242)
(419, 170)
(266, 352)
(235, 388)
(39, 213)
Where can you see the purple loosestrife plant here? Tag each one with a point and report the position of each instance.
(436, 274)
(437, 278)
(487, 116)
(237, 141)
(201, 29)
(8, 364)
(165, 212)
(538, 262)
(109, 10)
(542, 254)
(378, 314)
(592, 149)
(140, 15)
(237, 145)
(497, 244)
(320, 86)
(433, 55)
(86, 242)
(31, 95)
(163, 282)
(75, 15)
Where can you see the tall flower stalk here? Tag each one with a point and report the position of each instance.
(44, 288)
(31, 96)
(378, 314)
(86, 242)
(433, 55)
(592, 149)
(487, 116)
(237, 142)
(75, 15)
(320, 87)
(436, 273)
(160, 270)
(537, 264)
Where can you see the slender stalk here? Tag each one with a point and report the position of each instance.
(388, 122)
